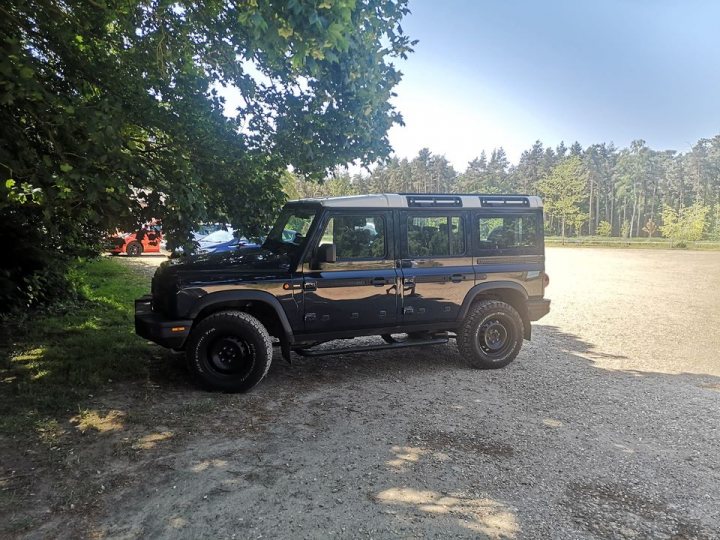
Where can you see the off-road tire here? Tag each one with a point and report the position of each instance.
(229, 351)
(483, 329)
(134, 249)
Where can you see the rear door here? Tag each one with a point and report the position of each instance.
(435, 264)
(359, 290)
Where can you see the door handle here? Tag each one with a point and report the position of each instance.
(310, 286)
(379, 281)
(456, 278)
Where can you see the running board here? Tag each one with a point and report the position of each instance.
(368, 348)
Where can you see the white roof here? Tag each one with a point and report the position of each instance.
(419, 200)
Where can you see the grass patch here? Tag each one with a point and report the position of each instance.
(632, 243)
(50, 362)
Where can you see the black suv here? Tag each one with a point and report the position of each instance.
(413, 269)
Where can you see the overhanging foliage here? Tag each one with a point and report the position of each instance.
(111, 112)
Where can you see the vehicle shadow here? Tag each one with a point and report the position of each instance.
(415, 413)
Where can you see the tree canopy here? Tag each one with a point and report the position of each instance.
(113, 110)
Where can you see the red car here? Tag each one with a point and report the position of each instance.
(146, 240)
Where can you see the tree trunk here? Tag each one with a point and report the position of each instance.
(591, 228)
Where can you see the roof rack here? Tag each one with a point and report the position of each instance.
(504, 201)
(434, 201)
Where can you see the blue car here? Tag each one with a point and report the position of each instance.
(222, 240)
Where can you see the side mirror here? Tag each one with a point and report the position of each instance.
(327, 253)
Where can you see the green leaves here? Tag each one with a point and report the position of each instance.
(684, 225)
(109, 120)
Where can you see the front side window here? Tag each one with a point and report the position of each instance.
(508, 232)
(435, 236)
(290, 230)
(356, 237)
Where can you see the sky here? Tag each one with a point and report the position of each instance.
(509, 72)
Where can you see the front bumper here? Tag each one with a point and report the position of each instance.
(537, 309)
(153, 326)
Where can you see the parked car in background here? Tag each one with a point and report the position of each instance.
(145, 240)
(216, 238)
(221, 240)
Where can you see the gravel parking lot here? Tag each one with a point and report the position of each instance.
(606, 426)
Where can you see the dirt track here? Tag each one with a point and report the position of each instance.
(606, 425)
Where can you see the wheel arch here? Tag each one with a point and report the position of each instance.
(509, 292)
(260, 304)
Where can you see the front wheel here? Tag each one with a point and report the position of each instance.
(134, 249)
(491, 335)
(229, 351)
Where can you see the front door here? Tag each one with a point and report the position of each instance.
(359, 290)
(437, 269)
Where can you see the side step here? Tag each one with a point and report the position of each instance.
(367, 348)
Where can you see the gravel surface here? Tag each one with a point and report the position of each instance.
(606, 426)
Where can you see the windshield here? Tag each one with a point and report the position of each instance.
(290, 230)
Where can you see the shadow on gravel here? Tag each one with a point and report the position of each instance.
(411, 442)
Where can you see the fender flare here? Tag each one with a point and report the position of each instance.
(490, 286)
(239, 296)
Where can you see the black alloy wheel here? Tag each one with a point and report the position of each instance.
(229, 351)
(231, 355)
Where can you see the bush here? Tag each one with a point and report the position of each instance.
(625, 229)
(604, 229)
(32, 273)
(685, 225)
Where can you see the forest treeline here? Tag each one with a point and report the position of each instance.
(597, 190)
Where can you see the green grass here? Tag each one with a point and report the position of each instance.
(50, 362)
(632, 243)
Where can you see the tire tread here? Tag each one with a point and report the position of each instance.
(466, 333)
(259, 329)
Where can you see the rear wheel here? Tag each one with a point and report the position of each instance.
(134, 249)
(491, 335)
(229, 351)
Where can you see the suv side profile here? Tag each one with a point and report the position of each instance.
(415, 269)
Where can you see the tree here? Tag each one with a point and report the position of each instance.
(563, 191)
(650, 228)
(530, 168)
(114, 112)
(685, 225)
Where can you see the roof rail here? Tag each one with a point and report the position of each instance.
(434, 201)
(504, 201)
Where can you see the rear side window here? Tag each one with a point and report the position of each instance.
(435, 236)
(515, 233)
(356, 237)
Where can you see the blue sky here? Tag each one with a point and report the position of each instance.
(506, 73)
